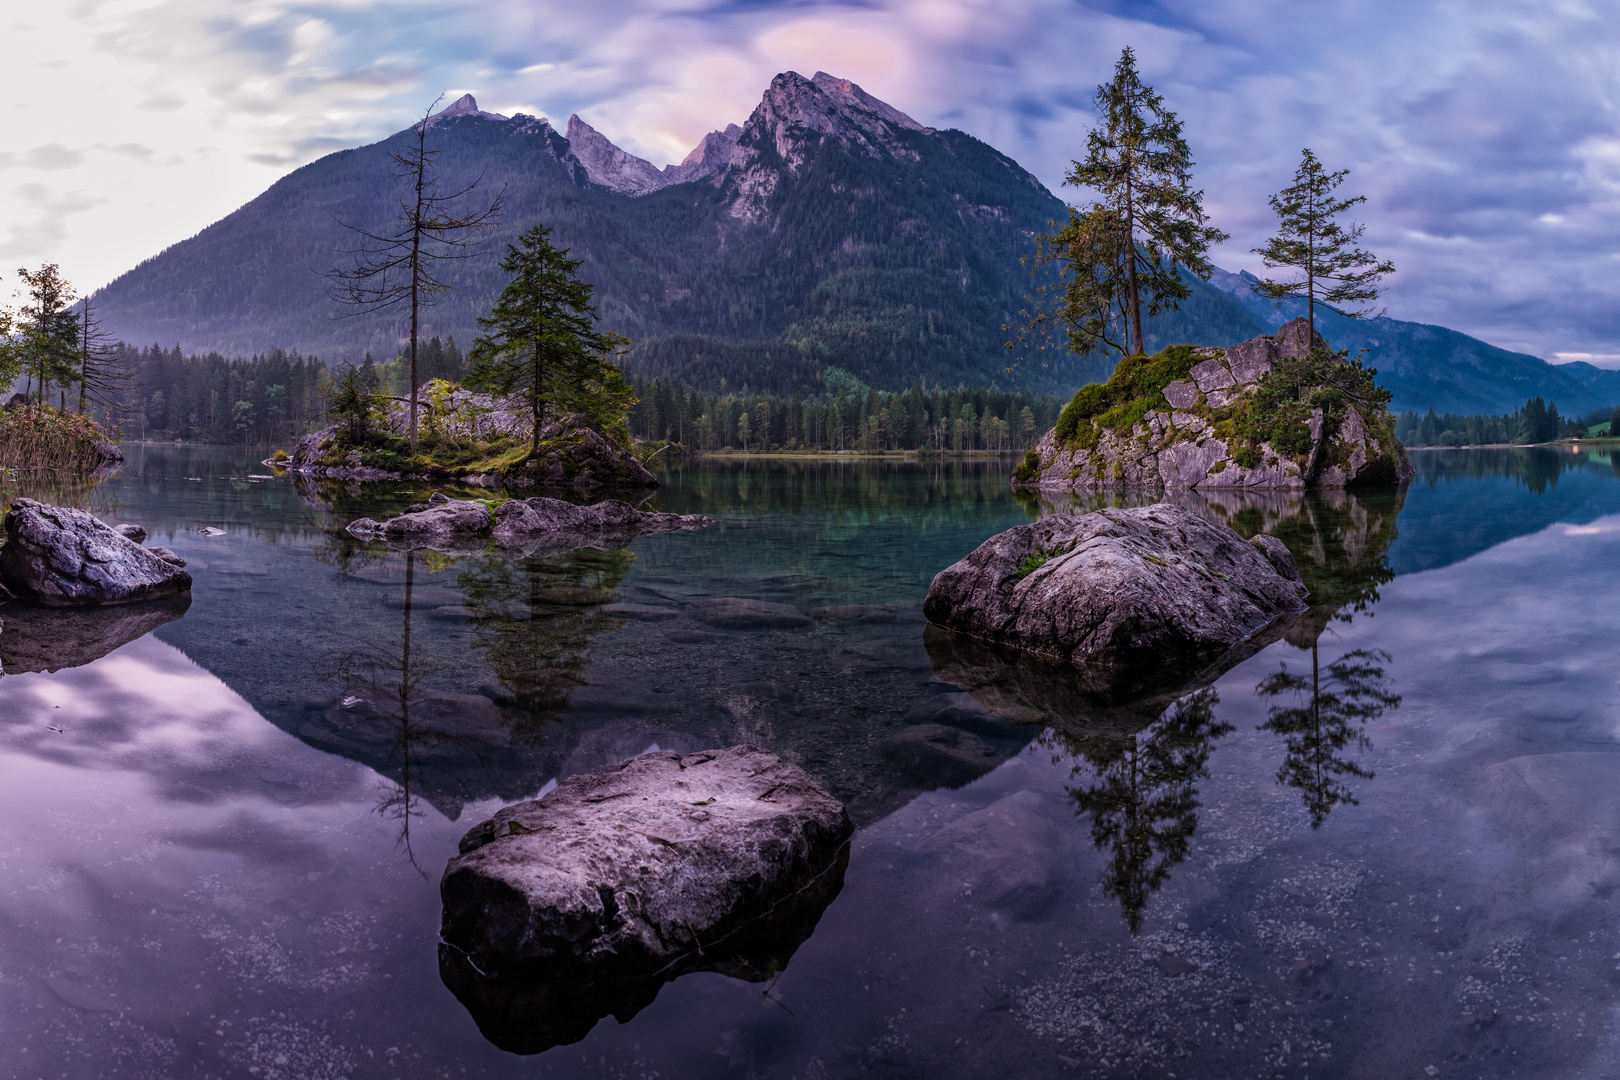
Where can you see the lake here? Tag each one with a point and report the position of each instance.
(1385, 845)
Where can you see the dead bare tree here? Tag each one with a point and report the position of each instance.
(398, 267)
(104, 379)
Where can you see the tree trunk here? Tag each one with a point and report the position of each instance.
(1130, 256)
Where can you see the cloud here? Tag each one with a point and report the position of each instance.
(1483, 132)
(52, 156)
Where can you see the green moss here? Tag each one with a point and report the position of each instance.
(1135, 389)
(1219, 466)
(1247, 456)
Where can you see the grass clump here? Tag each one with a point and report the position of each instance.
(1031, 564)
(39, 437)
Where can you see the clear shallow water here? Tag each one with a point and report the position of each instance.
(215, 868)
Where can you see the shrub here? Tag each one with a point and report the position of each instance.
(1029, 468)
(1135, 389)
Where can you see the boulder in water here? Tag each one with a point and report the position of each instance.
(586, 901)
(1131, 598)
(520, 523)
(57, 557)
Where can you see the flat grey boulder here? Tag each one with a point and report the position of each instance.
(621, 872)
(1132, 599)
(57, 557)
(524, 524)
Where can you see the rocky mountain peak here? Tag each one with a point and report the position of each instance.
(465, 105)
(610, 167)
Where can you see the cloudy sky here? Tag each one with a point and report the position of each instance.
(1483, 133)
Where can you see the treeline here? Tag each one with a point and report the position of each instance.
(272, 397)
(851, 417)
(1536, 421)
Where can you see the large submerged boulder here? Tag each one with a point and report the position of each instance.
(523, 524)
(559, 911)
(58, 557)
(1174, 421)
(1135, 600)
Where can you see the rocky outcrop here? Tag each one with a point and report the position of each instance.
(559, 911)
(57, 557)
(572, 453)
(1135, 600)
(523, 524)
(1181, 444)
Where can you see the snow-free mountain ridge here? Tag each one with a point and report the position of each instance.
(828, 237)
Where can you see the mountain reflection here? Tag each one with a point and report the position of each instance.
(1331, 712)
(1143, 804)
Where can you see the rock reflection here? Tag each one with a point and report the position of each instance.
(50, 639)
(532, 1015)
(1330, 717)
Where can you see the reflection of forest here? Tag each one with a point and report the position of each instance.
(534, 620)
(1137, 764)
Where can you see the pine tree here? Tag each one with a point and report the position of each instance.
(50, 331)
(1337, 272)
(543, 343)
(1123, 255)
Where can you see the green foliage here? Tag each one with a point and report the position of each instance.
(1246, 456)
(49, 338)
(356, 405)
(39, 437)
(1536, 421)
(1278, 410)
(1135, 389)
(1120, 256)
(1031, 564)
(1336, 272)
(543, 344)
(1029, 468)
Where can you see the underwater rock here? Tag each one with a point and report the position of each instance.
(32, 639)
(1132, 599)
(740, 613)
(62, 558)
(562, 910)
(524, 524)
(130, 532)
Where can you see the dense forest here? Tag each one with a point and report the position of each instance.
(853, 417)
(1536, 421)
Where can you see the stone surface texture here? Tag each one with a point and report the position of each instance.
(621, 872)
(58, 557)
(524, 524)
(1175, 449)
(1132, 598)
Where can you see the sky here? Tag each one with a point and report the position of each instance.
(1484, 134)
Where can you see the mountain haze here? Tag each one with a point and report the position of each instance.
(828, 231)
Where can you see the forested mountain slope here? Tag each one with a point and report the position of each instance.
(829, 230)
(1431, 367)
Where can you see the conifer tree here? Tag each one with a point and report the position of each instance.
(1337, 272)
(50, 330)
(1123, 254)
(543, 344)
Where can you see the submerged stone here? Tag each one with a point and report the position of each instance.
(524, 524)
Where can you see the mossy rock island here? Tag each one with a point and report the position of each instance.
(1280, 412)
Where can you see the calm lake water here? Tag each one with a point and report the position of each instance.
(1386, 845)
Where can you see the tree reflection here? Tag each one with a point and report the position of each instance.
(1144, 804)
(534, 619)
(1327, 721)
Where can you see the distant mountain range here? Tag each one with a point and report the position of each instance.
(828, 231)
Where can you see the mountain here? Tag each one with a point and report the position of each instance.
(1431, 367)
(828, 231)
